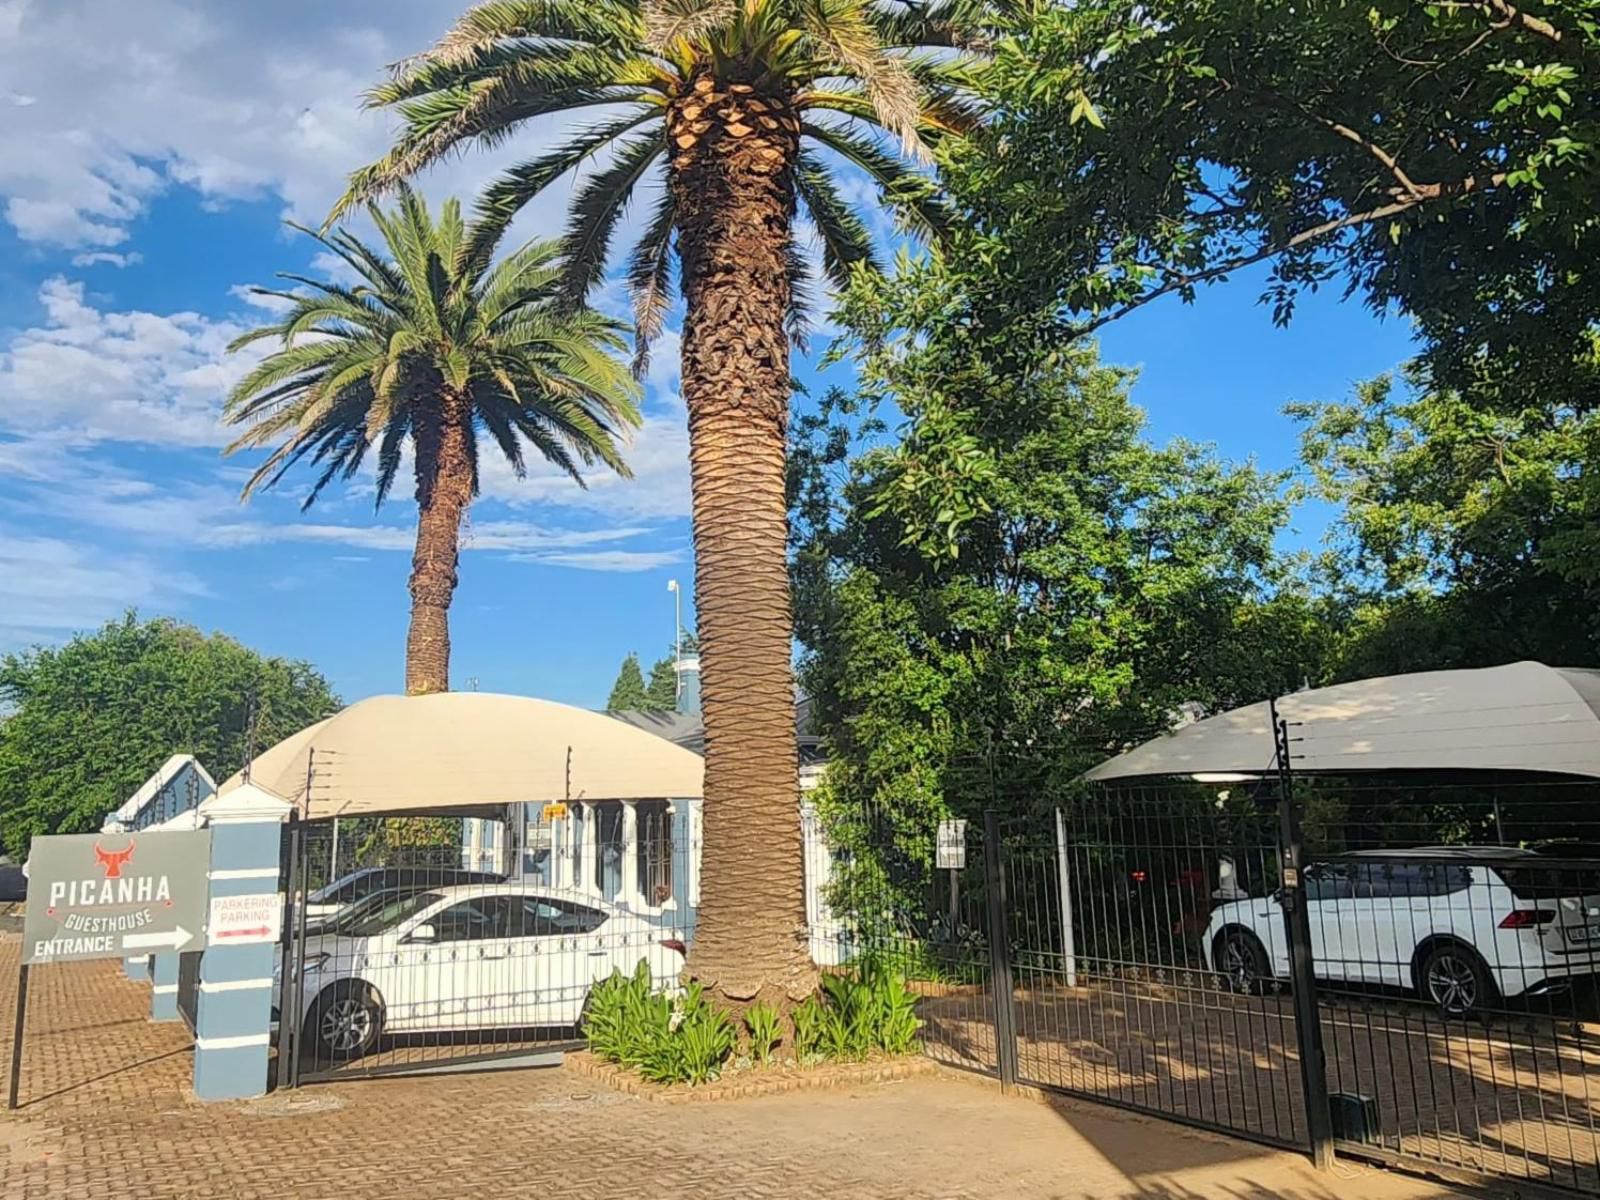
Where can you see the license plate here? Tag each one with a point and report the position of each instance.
(1583, 933)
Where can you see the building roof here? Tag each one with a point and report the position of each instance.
(465, 752)
(689, 729)
(1523, 716)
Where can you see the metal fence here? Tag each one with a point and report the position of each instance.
(409, 952)
(1176, 951)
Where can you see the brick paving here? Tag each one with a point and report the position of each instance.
(107, 1113)
(1516, 1096)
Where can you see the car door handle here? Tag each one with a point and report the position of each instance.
(491, 953)
(597, 953)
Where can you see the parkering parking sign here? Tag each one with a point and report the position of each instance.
(115, 895)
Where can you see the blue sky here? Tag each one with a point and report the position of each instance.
(148, 155)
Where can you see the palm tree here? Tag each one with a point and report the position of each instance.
(749, 106)
(436, 345)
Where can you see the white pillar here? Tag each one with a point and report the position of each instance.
(630, 855)
(588, 855)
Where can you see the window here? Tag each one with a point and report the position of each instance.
(1397, 880)
(368, 921)
(539, 916)
(1328, 881)
(472, 920)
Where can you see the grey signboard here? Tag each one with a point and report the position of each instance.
(115, 895)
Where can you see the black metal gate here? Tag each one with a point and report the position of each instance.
(412, 947)
(1173, 950)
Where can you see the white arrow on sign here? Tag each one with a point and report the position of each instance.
(173, 939)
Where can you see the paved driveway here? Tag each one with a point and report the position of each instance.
(107, 1114)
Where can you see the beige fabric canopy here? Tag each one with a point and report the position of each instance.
(1524, 716)
(462, 752)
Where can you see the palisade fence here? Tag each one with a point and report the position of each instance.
(1273, 958)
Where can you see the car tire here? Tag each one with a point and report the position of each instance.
(1453, 977)
(344, 1024)
(1240, 958)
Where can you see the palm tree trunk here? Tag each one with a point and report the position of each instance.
(732, 171)
(444, 490)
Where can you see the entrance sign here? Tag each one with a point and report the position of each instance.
(241, 920)
(952, 845)
(114, 895)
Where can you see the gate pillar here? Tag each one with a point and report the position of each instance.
(233, 1023)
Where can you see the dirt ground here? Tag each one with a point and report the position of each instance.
(107, 1112)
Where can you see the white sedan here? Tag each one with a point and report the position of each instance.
(1459, 932)
(468, 958)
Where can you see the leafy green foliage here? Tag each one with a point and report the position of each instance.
(1374, 141)
(686, 1040)
(864, 1010)
(661, 695)
(1455, 524)
(86, 723)
(765, 1029)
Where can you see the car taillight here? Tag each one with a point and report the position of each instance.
(676, 944)
(1526, 918)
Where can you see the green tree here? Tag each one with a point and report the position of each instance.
(1094, 584)
(748, 107)
(87, 723)
(628, 692)
(662, 693)
(1455, 526)
(1440, 157)
(435, 345)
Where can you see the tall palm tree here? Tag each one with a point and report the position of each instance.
(749, 104)
(434, 344)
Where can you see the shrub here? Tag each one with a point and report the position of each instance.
(869, 1008)
(765, 1031)
(667, 1041)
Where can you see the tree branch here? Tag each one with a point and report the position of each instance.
(1422, 194)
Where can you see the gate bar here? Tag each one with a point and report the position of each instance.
(1302, 970)
(16, 1037)
(1005, 1016)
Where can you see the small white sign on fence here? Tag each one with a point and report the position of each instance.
(952, 846)
(240, 920)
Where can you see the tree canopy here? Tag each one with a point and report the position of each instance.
(87, 723)
(628, 692)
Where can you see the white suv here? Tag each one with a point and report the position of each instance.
(1461, 926)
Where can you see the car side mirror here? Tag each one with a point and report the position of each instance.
(423, 933)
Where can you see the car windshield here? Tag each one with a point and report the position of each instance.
(350, 887)
(369, 920)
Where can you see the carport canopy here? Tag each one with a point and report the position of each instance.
(1523, 716)
(466, 753)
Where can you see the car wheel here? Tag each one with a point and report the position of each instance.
(1241, 959)
(344, 1024)
(1453, 977)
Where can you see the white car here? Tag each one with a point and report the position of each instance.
(1456, 931)
(468, 958)
(370, 881)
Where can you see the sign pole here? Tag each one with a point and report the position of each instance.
(16, 1036)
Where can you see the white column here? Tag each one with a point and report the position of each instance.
(588, 854)
(630, 855)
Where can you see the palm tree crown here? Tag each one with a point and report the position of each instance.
(434, 345)
(836, 75)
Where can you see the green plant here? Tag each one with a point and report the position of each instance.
(666, 1041)
(765, 1032)
(809, 1019)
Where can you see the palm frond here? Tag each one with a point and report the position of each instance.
(844, 236)
(913, 196)
(649, 278)
(844, 29)
(668, 22)
(598, 206)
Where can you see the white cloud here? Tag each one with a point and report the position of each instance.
(129, 376)
(257, 299)
(108, 258)
(235, 101)
(606, 560)
(50, 587)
